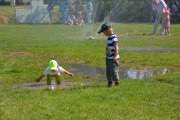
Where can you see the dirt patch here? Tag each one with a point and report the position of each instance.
(4, 20)
(16, 53)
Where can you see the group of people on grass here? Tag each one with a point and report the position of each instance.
(161, 13)
(73, 12)
(174, 6)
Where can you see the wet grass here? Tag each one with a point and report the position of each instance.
(26, 49)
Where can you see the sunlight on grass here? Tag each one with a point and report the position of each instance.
(25, 51)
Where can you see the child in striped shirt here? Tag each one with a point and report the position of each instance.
(112, 55)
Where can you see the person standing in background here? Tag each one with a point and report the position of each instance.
(167, 21)
(63, 11)
(51, 4)
(79, 8)
(158, 6)
(89, 11)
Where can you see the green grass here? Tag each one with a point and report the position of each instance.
(133, 100)
(25, 51)
(64, 43)
(8, 11)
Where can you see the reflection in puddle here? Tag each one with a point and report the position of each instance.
(98, 76)
(124, 73)
(144, 73)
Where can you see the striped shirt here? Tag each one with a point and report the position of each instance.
(111, 40)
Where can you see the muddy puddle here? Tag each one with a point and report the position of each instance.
(124, 72)
(53, 86)
(97, 75)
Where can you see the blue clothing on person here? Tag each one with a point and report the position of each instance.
(63, 6)
(89, 11)
(63, 10)
(90, 6)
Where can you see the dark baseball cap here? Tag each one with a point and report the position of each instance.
(104, 27)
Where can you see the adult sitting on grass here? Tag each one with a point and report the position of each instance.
(53, 70)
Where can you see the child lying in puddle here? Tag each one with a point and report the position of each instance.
(53, 70)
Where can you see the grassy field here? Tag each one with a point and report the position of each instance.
(25, 51)
(8, 14)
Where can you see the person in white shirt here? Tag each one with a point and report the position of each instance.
(89, 11)
(53, 70)
(158, 6)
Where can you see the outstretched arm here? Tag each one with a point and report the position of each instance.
(40, 77)
(68, 73)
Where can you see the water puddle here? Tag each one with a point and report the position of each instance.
(124, 72)
(53, 86)
(98, 75)
(140, 49)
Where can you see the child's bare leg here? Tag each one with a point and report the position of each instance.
(58, 82)
(168, 31)
(49, 79)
